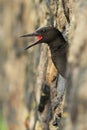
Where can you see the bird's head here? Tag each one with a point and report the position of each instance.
(44, 35)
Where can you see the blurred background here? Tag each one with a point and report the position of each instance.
(18, 68)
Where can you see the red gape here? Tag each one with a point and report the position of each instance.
(39, 37)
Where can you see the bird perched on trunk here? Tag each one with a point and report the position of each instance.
(57, 44)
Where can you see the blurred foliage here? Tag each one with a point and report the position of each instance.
(3, 125)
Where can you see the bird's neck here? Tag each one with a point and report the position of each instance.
(58, 50)
(58, 45)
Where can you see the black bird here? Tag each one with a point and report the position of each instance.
(57, 44)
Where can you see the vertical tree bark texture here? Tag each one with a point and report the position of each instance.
(53, 110)
(70, 18)
(77, 104)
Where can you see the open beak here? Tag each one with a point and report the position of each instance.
(39, 37)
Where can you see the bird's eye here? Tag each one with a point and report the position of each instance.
(43, 30)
